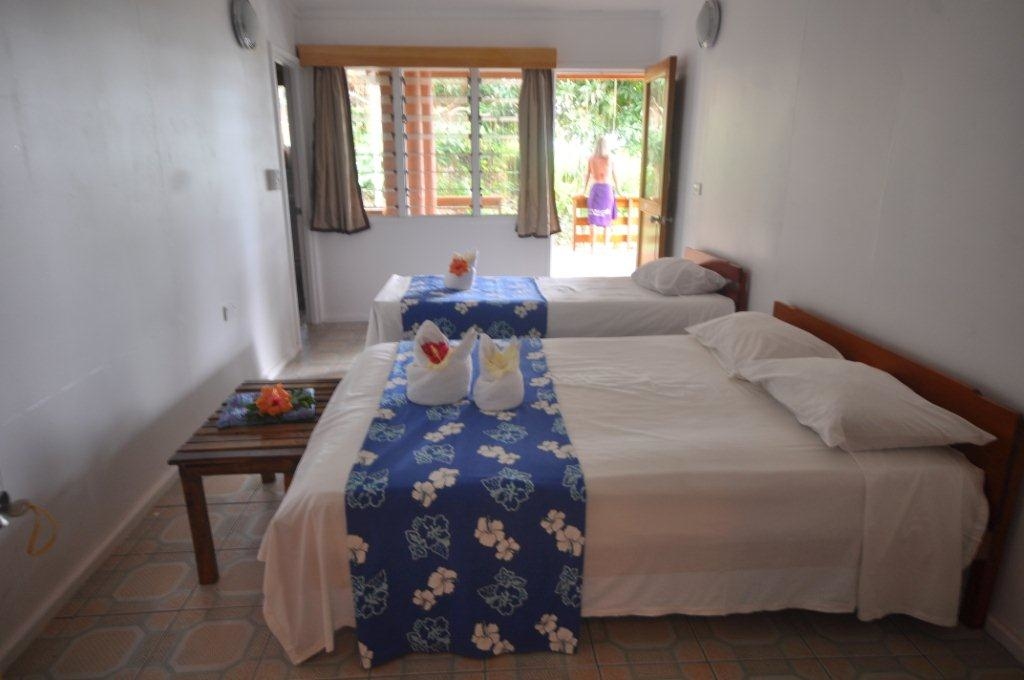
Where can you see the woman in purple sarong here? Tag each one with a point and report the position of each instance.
(601, 208)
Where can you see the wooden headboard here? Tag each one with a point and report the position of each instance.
(739, 281)
(1001, 460)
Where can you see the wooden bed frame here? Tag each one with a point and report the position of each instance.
(1001, 460)
(739, 281)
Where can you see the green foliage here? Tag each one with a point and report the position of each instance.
(584, 111)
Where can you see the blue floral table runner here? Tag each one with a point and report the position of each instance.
(466, 528)
(501, 306)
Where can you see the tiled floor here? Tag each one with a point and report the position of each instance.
(142, 615)
(327, 351)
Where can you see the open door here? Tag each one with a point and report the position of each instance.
(655, 171)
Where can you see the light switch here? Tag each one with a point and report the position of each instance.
(273, 179)
(698, 188)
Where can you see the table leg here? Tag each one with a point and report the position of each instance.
(268, 477)
(199, 523)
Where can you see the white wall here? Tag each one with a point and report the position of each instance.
(349, 269)
(133, 138)
(585, 39)
(865, 159)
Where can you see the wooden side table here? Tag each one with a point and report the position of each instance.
(263, 449)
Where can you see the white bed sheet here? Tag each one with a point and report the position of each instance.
(705, 496)
(578, 307)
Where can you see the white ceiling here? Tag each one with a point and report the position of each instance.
(421, 6)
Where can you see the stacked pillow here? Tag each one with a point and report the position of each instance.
(849, 404)
(736, 339)
(676, 276)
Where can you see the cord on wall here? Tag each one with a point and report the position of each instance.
(42, 516)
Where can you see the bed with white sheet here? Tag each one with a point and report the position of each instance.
(594, 306)
(705, 496)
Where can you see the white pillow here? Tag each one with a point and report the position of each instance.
(737, 338)
(859, 408)
(676, 276)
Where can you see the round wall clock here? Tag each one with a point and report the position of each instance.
(708, 21)
(245, 22)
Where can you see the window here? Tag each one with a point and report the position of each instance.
(458, 150)
(373, 132)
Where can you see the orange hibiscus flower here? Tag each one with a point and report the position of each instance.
(273, 401)
(458, 266)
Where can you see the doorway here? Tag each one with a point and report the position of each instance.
(593, 106)
(626, 119)
(284, 89)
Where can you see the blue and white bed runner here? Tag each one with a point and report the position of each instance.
(466, 528)
(501, 306)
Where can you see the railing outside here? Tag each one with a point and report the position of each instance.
(624, 231)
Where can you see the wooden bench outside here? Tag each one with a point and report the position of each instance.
(262, 449)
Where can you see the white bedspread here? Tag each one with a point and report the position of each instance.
(705, 496)
(586, 307)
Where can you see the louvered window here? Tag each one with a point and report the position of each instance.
(456, 149)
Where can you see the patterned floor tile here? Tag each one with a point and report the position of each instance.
(144, 583)
(961, 652)
(251, 525)
(218, 489)
(987, 666)
(582, 673)
(658, 671)
(269, 493)
(167, 529)
(343, 662)
(93, 647)
(765, 635)
(641, 640)
(416, 665)
(888, 667)
(92, 584)
(777, 669)
(213, 643)
(240, 583)
(845, 635)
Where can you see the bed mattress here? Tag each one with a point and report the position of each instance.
(578, 307)
(705, 496)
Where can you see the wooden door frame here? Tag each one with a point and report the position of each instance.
(665, 67)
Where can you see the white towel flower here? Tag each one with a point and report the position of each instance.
(441, 371)
(499, 386)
